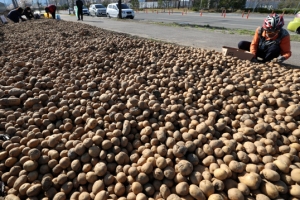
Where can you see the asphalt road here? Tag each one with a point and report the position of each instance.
(231, 20)
(199, 38)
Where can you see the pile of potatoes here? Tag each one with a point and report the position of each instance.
(93, 114)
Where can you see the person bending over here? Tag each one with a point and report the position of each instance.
(28, 13)
(15, 15)
(51, 9)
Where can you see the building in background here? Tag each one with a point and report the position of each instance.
(269, 4)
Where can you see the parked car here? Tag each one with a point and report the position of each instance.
(97, 10)
(295, 24)
(113, 11)
(85, 10)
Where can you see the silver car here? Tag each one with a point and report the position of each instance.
(97, 10)
(85, 11)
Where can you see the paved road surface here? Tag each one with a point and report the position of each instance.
(207, 39)
(231, 20)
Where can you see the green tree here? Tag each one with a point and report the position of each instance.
(289, 4)
(233, 4)
(160, 3)
(135, 4)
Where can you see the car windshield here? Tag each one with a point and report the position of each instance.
(298, 15)
(123, 6)
(84, 7)
(99, 6)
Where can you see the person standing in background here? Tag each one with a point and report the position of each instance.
(51, 9)
(79, 5)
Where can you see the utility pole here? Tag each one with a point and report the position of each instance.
(120, 8)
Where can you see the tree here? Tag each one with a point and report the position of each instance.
(24, 3)
(160, 3)
(233, 4)
(135, 4)
(289, 4)
(39, 4)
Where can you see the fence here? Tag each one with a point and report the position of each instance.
(165, 4)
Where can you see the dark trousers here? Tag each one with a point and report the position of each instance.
(53, 14)
(269, 54)
(79, 14)
(16, 20)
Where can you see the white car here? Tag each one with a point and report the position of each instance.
(113, 11)
(97, 10)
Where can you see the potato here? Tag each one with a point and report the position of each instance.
(165, 191)
(237, 167)
(218, 185)
(171, 197)
(294, 191)
(23, 188)
(195, 192)
(84, 196)
(59, 196)
(281, 187)
(220, 174)
(184, 167)
(20, 181)
(182, 189)
(270, 175)
(34, 190)
(30, 165)
(195, 177)
(12, 197)
(137, 187)
(102, 195)
(295, 175)
(119, 189)
(215, 197)
(252, 180)
(262, 197)
(100, 169)
(206, 187)
(235, 194)
(269, 189)
(141, 196)
(282, 166)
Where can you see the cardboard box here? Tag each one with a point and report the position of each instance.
(235, 52)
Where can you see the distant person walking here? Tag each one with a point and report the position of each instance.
(79, 5)
(28, 13)
(15, 15)
(51, 9)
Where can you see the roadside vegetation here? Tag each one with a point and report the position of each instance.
(218, 29)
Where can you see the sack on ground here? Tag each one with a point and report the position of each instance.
(3, 19)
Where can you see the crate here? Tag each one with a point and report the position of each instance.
(235, 52)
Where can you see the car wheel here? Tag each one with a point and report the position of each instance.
(131, 17)
(107, 15)
(298, 30)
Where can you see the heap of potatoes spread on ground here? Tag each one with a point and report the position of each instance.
(93, 114)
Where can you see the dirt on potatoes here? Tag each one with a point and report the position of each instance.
(94, 114)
